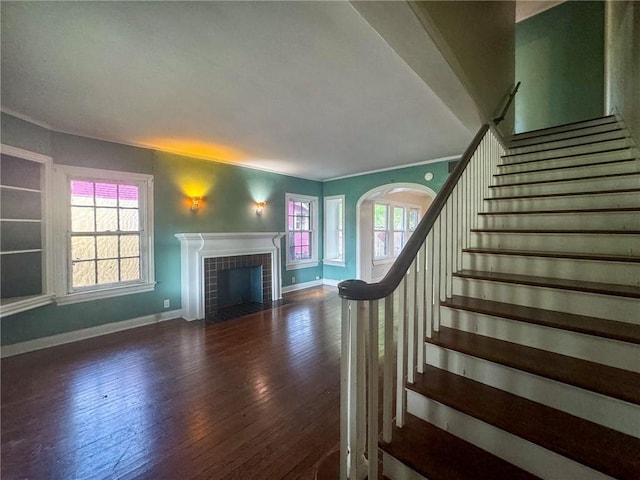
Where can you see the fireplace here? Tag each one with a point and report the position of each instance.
(205, 255)
(234, 280)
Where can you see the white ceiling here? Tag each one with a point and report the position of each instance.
(308, 89)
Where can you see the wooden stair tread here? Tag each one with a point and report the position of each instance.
(546, 254)
(622, 331)
(563, 179)
(608, 119)
(560, 283)
(557, 157)
(564, 167)
(564, 210)
(598, 447)
(565, 194)
(622, 136)
(437, 454)
(556, 231)
(610, 127)
(609, 381)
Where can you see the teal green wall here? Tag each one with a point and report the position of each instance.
(229, 206)
(353, 188)
(560, 62)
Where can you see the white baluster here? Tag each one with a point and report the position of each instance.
(387, 399)
(429, 282)
(401, 397)
(410, 322)
(421, 294)
(372, 441)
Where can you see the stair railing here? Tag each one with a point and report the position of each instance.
(405, 302)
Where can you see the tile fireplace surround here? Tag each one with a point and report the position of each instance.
(196, 247)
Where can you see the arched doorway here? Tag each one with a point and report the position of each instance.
(393, 200)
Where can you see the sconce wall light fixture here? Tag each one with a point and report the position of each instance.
(260, 207)
(195, 203)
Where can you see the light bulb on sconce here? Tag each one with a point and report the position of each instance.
(195, 203)
(260, 207)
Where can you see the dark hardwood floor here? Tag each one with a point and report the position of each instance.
(254, 397)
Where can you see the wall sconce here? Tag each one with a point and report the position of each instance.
(195, 203)
(260, 207)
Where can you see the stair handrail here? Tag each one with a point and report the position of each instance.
(512, 95)
(361, 290)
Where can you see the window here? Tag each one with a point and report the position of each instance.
(380, 233)
(334, 230)
(24, 228)
(393, 224)
(108, 243)
(302, 231)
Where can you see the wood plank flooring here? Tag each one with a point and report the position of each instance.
(254, 397)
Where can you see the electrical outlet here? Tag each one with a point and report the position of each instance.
(167, 303)
(293, 279)
(317, 277)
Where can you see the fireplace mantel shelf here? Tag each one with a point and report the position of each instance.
(195, 247)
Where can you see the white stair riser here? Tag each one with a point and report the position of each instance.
(569, 142)
(569, 186)
(587, 221)
(515, 450)
(622, 309)
(586, 347)
(396, 470)
(565, 128)
(629, 166)
(620, 273)
(567, 151)
(552, 137)
(610, 412)
(577, 243)
(626, 154)
(616, 200)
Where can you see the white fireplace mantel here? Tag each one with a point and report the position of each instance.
(195, 247)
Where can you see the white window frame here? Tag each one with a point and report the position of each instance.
(292, 264)
(390, 258)
(64, 293)
(22, 304)
(333, 244)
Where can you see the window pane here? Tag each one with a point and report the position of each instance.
(380, 245)
(414, 218)
(129, 245)
(128, 196)
(398, 243)
(380, 217)
(82, 219)
(83, 248)
(304, 225)
(83, 274)
(292, 222)
(129, 220)
(129, 269)
(398, 218)
(106, 194)
(107, 246)
(106, 219)
(81, 193)
(107, 271)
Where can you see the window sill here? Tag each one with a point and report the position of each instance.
(22, 304)
(334, 263)
(106, 293)
(299, 265)
(384, 261)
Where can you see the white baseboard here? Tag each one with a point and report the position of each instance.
(330, 282)
(301, 286)
(68, 337)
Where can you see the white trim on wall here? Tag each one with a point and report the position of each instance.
(302, 286)
(85, 333)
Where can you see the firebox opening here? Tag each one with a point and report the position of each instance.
(237, 286)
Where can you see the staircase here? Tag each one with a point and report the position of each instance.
(534, 370)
